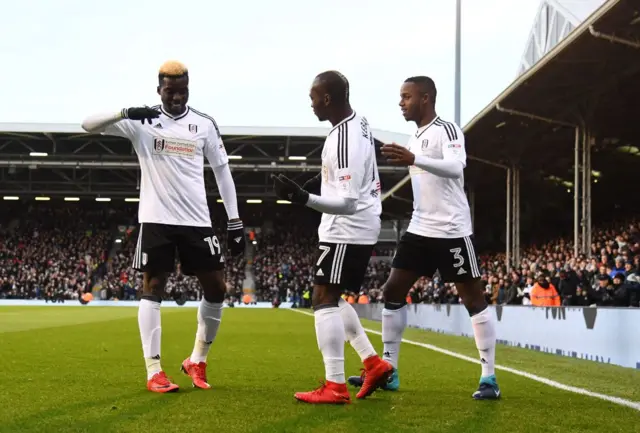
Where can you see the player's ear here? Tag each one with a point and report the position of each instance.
(327, 100)
(158, 90)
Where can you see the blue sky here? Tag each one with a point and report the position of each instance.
(252, 62)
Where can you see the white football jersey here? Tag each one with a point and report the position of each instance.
(440, 206)
(350, 170)
(171, 152)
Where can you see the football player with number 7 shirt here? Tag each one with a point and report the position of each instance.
(348, 231)
(174, 214)
(440, 234)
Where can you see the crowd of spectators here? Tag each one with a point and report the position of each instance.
(52, 253)
(55, 253)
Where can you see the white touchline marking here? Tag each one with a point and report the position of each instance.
(617, 400)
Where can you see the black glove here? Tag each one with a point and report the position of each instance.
(313, 184)
(140, 113)
(235, 237)
(286, 189)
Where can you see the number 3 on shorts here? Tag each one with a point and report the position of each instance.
(459, 260)
(325, 250)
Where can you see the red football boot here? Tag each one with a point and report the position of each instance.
(328, 393)
(161, 383)
(376, 374)
(197, 372)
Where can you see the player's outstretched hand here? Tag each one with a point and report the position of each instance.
(398, 155)
(141, 114)
(287, 189)
(235, 237)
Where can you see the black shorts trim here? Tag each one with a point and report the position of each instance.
(343, 265)
(197, 248)
(455, 259)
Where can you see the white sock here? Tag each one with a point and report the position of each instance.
(393, 324)
(484, 330)
(354, 332)
(150, 334)
(331, 338)
(209, 317)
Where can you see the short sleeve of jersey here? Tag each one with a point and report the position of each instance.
(453, 146)
(125, 128)
(214, 148)
(350, 159)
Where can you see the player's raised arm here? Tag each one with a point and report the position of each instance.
(217, 156)
(288, 189)
(119, 123)
(450, 166)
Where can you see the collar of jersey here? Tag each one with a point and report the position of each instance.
(425, 127)
(346, 119)
(178, 117)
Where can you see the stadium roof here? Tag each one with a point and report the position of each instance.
(590, 78)
(555, 20)
(585, 79)
(63, 160)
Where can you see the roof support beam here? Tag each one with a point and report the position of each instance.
(614, 38)
(534, 116)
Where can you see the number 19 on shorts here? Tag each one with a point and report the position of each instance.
(214, 245)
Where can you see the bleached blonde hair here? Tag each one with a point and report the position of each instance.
(173, 69)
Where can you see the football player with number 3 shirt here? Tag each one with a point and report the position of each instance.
(440, 234)
(171, 141)
(350, 204)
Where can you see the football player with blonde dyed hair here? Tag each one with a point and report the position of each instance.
(172, 140)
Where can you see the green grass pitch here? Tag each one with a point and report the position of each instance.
(80, 369)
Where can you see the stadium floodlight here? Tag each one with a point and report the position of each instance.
(254, 201)
(283, 202)
(43, 198)
(72, 199)
(11, 197)
(297, 158)
(219, 201)
(118, 241)
(38, 154)
(103, 199)
(132, 200)
(234, 156)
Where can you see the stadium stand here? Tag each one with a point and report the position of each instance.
(53, 251)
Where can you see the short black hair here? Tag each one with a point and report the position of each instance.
(426, 84)
(336, 85)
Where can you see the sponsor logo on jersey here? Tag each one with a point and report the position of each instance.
(344, 182)
(174, 147)
(455, 148)
(325, 173)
